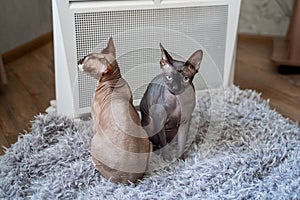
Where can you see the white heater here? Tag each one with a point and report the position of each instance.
(137, 27)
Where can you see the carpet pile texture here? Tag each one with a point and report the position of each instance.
(239, 149)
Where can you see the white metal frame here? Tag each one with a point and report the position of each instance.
(64, 37)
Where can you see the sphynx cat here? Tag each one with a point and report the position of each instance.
(120, 148)
(169, 101)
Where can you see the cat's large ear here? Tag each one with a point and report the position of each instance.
(110, 49)
(195, 59)
(166, 59)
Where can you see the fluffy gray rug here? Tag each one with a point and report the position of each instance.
(241, 150)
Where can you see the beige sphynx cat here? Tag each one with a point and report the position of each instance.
(120, 148)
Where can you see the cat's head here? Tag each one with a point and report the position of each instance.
(179, 75)
(99, 64)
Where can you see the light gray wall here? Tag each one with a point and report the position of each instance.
(265, 17)
(23, 20)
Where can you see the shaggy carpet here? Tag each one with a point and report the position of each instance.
(240, 149)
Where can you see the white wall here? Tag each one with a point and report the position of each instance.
(22, 21)
(265, 17)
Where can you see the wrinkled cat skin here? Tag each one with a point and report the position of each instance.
(120, 148)
(169, 101)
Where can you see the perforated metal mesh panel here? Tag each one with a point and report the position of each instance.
(137, 34)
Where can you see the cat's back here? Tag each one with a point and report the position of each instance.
(120, 147)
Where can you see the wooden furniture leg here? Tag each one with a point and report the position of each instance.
(286, 51)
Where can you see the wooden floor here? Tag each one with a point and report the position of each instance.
(255, 70)
(29, 90)
(31, 85)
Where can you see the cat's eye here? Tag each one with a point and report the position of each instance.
(169, 78)
(186, 79)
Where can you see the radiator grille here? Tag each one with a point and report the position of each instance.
(137, 34)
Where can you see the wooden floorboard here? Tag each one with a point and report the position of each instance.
(31, 85)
